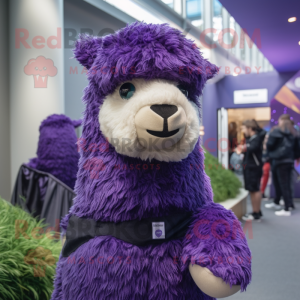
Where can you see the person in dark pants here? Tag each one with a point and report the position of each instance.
(253, 165)
(282, 184)
(266, 168)
(283, 149)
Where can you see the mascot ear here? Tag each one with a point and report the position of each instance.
(77, 123)
(86, 48)
(211, 70)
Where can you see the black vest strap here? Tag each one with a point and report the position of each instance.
(150, 231)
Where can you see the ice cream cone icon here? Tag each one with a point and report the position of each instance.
(40, 68)
(39, 258)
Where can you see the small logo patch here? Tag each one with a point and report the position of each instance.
(158, 230)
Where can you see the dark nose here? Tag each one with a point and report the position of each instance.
(164, 110)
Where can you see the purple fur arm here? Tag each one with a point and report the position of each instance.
(216, 241)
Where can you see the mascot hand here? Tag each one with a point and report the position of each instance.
(211, 285)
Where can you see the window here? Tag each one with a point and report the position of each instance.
(169, 3)
(232, 26)
(254, 57)
(237, 51)
(243, 54)
(232, 23)
(217, 18)
(178, 6)
(194, 12)
(217, 6)
(193, 9)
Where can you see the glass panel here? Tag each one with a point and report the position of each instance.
(220, 18)
(247, 52)
(217, 18)
(232, 26)
(194, 12)
(217, 6)
(169, 3)
(243, 54)
(254, 56)
(193, 9)
(225, 24)
(237, 49)
(198, 23)
(178, 6)
(260, 62)
(266, 65)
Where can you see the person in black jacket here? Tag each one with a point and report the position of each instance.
(283, 149)
(253, 165)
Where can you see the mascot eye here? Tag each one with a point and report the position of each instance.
(183, 90)
(127, 90)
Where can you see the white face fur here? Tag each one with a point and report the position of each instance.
(156, 122)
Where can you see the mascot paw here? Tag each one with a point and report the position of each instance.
(210, 284)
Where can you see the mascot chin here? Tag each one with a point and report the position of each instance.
(143, 224)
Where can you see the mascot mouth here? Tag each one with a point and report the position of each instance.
(160, 126)
(163, 134)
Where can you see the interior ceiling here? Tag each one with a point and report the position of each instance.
(279, 38)
(242, 114)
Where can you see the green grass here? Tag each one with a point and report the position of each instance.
(28, 256)
(224, 183)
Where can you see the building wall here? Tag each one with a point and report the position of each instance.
(4, 104)
(39, 22)
(210, 105)
(220, 94)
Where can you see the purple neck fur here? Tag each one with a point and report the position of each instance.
(111, 188)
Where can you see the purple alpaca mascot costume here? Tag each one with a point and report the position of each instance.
(57, 152)
(141, 163)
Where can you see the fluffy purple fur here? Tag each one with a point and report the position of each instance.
(57, 152)
(216, 241)
(110, 187)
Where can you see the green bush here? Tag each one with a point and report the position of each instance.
(224, 183)
(28, 256)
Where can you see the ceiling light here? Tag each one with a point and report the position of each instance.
(293, 19)
(299, 43)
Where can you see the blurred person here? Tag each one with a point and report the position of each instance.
(283, 149)
(253, 165)
(232, 136)
(294, 175)
(236, 163)
(266, 169)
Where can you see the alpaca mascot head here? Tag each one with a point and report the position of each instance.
(57, 153)
(143, 224)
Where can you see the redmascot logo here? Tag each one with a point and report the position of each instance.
(40, 68)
